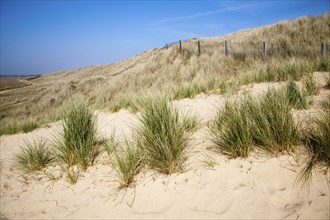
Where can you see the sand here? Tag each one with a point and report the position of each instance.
(212, 187)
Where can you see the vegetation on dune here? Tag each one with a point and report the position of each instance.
(306, 31)
(252, 71)
(317, 141)
(127, 160)
(274, 128)
(34, 156)
(297, 99)
(164, 135)
(189, 91)
(277, 70)
(231, 130)
(14, 127)
(76, 144)
(310, 86)
(266, 123)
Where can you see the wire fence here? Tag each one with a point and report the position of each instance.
(241, 50)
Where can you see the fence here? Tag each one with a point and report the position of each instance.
(250, 49)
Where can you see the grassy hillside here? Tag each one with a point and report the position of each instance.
(180, 73)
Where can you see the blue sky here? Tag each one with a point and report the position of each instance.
(39, 37)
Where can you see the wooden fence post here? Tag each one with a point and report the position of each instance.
(264, 50)
(226, 48)
(323, 49)
(180, 45)
(199, 48)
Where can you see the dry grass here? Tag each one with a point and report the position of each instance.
(7, 83)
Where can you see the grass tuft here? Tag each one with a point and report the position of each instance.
(297, 99)
(28, 126)
(10, 128)
(282, 72)
(189, 91)
(317, 142)
(14, 127)
(231, 130)
(127, 161)
(78, 137)
(164, 135)
(34, 156)
(273, 127)
(266, 123)
(72, 173)
(310, 86)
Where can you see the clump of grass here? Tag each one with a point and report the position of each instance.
(281, 72)
(266, 123)
(317, 142)
(189, 91)
(121, 103)
(231, 130)
(310, 86)
(164, 136)
(76, 146)
(34, 156)
(131, 102)
(273, 127)
(72, 174)
(297, 99)
(28, 126)
(10, 128)
(14, 127)
(127, 161)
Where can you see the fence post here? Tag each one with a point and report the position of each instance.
(166, 46)
(323, 49)
(264, 50)
(226, 48)
(180, 45)
(199, 48)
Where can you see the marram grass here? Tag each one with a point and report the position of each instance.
(231, 130)
(297, 98)
(317, 142)
(15, 127)
(310, 86)
(127, 161)
(266, 123)
(76, 142)
(164, 135)
(34, 156)
(274, 128)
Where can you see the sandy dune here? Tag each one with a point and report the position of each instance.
(259, 187)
